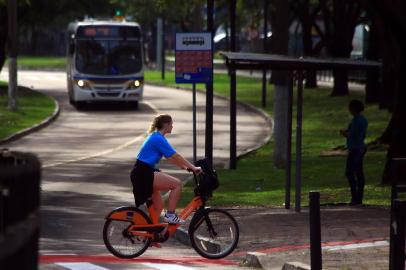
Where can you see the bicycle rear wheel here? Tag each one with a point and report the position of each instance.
(119, 241)
(214, 233)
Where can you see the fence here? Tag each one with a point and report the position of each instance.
(20, 175)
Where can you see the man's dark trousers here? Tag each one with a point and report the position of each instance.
(355, 174)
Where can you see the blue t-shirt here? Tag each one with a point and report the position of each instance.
(357, 131)
(154, 147)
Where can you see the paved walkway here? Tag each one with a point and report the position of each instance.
(352, 237)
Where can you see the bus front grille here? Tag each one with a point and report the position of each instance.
(108, 94)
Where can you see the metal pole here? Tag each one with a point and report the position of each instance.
(266, 2)
(12, 53)
(397, 236)
(233, 120)
(163, 49)
(288, 168)
(315, 231)
(159, 43)
(233, 91)
(299, 141)
(209, 93)
(194, 124)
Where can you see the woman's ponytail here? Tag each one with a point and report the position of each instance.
(158, 122)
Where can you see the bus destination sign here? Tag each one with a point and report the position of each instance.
(193, 58)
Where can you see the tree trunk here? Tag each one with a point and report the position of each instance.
(345, 14)
(340, 83)
(3, 35)
(280, 46)
(311, 80)
(396, 130)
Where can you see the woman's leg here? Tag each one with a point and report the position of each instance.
(164, 181)
(158, 202)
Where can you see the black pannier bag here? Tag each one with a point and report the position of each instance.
(208, 179)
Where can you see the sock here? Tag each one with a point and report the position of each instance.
(170, 213)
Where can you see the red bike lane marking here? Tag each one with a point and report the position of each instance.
(306, 246)
(48, 259)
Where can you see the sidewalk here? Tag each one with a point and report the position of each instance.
(352, 237)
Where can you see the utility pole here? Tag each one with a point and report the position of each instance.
(12, 54)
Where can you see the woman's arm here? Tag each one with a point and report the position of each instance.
(181, 162)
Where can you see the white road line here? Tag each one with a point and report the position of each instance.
(81, 266)
(162, 266)
(360, 245)
(108, 151)
(153, 107)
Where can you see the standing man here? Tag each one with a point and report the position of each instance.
(355, 134)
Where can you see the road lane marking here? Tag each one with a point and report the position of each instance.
(108, 151)
(81, 266)
(178, 260)
(162, 266)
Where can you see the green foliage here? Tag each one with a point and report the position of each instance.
(33, 107)
(41, 62)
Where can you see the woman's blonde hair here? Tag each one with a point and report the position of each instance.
(159, 121)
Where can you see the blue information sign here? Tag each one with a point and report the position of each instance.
(193, 58)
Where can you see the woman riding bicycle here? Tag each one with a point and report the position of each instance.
(148, 182)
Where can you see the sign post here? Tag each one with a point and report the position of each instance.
(194, 64)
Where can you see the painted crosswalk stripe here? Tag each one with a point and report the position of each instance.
(162, 266)
(81, 266)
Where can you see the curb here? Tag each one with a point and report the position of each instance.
(36, 127)
(260, 260)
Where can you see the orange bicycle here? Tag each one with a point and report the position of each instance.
(213, 233)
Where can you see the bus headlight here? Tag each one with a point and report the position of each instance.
(135, 84)
(82, 84)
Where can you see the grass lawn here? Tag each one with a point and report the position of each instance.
(41, 62)
(323, 116)
(33, 107)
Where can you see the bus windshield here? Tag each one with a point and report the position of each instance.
(108, 57)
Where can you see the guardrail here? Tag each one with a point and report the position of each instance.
(20, 175)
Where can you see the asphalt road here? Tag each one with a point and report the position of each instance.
(86, 157)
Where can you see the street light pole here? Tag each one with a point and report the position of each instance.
(12, 54)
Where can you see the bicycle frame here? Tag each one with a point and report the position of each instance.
(148, 230)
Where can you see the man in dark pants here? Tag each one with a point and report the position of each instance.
(355, 134)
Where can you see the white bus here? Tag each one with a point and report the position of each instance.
(104, 62)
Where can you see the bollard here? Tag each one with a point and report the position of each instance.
(397, 235)
(20, 175)
(315, 231)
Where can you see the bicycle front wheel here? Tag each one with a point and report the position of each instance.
(119, 241)
(214, 234)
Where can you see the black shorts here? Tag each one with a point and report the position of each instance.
(142, 178)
